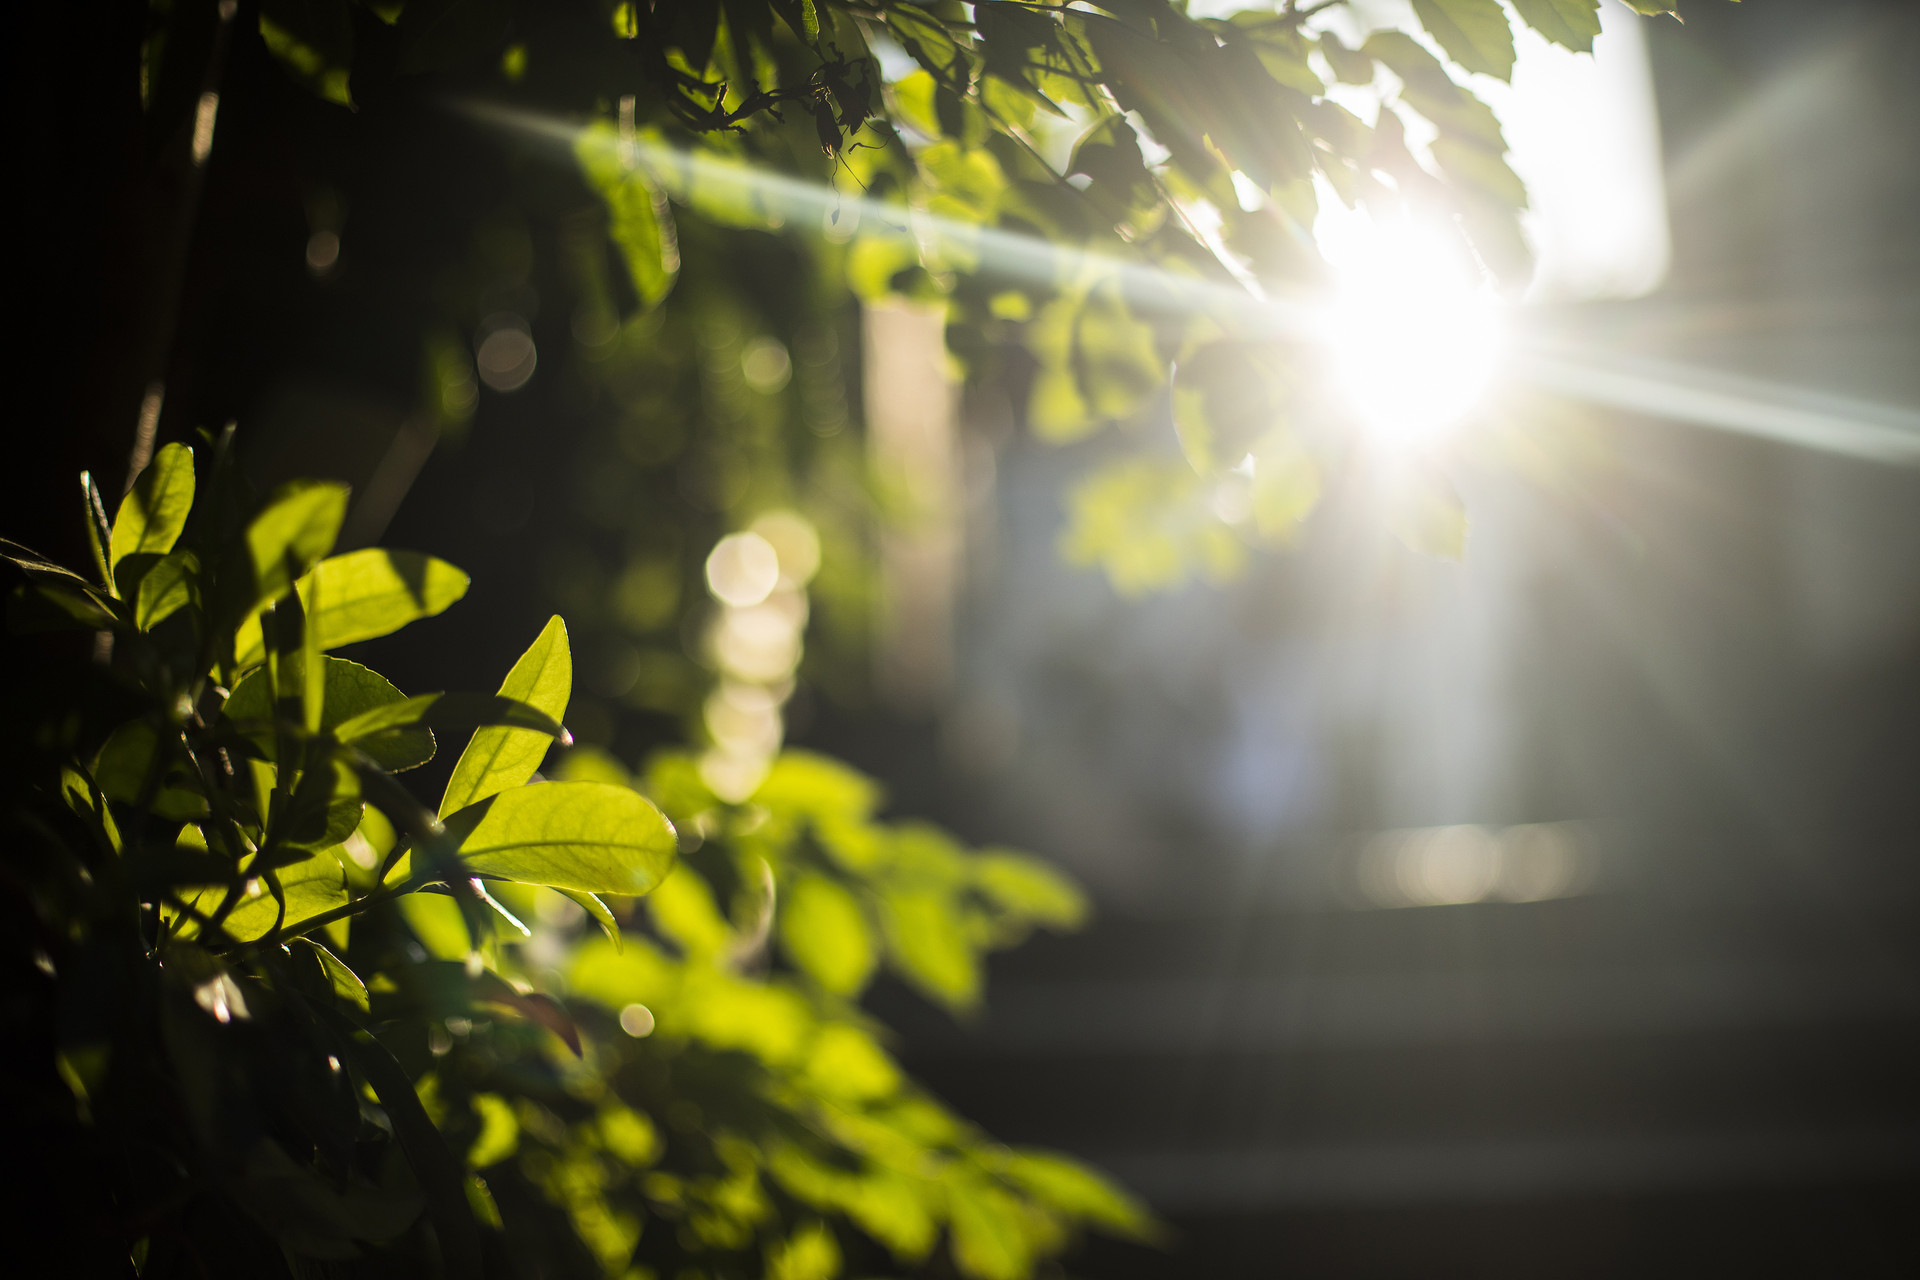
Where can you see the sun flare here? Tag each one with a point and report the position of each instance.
(1416, 336)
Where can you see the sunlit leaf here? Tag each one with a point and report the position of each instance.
(639, 219)
(296, 528)
(1073, 1188)
(169, 586)
(346, 983)
(352, 691)
(1030, 889)
(374, 592)
(1474, 33)
(154, 512)
(311, 886)
(844, 1062)
(1147, 522)
(1573, 23)
(825, 932)
(498, 757)
(989, 1234)
(808, 1254)
(684, 910)
(587, 836)
(499, 1133)
(928, 944)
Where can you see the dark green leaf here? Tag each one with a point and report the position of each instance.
(446, 713)
(137, 764)
(346, 983)
(441, 1177)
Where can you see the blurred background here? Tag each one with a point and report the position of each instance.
(1552, 912)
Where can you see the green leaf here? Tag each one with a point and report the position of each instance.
(165, 589)
(447, 713)
(346, 983)
(352, 693)
(155, 510)
(1030, 889)
(1474, 33)
(1651, 8)
(499, 1131)
(1147, 522)
(51, 606)
(365, 594)
(297, 527)
(639, 219)
(1226, 396)
(826, 934)
(588, 836)
(1572, 23)
(136, 763)
(497, 757)
(990, 1239)
(601, 913)
(927, 942)
(375, 592)
(684, 911)
(1350, 66)
(311, 886)
(1066, 1186)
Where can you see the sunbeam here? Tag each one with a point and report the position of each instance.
(1405, 387)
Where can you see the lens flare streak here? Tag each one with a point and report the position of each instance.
(1666, 390)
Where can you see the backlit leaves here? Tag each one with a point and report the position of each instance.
(499, 757)
(591, 837)
(825, 932)
(154, 512)
(1474, 33)
(296, 528)
(1147, 523)
(1572, 23)
(375, 592)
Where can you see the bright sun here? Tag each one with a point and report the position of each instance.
(1415, 335)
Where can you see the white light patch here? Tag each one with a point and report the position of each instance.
(1585, 138)
(1416, 335)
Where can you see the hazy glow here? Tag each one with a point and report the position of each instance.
(1415, 337)
(1585, 138)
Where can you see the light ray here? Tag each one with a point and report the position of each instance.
(1727, 402)
(689, 175)
(1670, 391)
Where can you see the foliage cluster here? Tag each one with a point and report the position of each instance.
(291, 1006)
